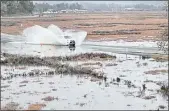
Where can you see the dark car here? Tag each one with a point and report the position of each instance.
(72, 43)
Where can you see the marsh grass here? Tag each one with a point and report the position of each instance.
(55, 62)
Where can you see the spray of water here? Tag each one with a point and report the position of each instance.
(52, 35)
(78, 36)
(55, 29)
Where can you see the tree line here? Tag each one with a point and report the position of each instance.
(57, 7)
(16, 7)
(27, 7)
(94, 7)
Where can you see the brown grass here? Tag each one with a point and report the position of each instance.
(99, 22)
(160, 58)
(36, 106)
(155, 72)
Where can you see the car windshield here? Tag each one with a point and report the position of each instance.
(67, 37)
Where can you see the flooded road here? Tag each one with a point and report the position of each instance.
(52, 50)
(132, 82)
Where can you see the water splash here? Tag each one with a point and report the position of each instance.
(55, 29)
(52, 35)
(78, 36)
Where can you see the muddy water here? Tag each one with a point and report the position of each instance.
(123, 88)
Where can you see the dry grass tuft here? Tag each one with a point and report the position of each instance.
(155, 72)
(160, 58)
(36, 106)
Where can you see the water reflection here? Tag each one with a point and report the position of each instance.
(42, 50)
(72, 48)
(144, 57)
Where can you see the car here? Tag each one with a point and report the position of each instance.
(72, 43)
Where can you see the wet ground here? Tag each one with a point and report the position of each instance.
(131, 81)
